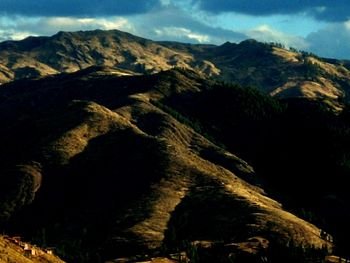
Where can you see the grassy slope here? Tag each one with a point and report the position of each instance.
(280, 72)
(12, 252)
(69, 52)
(135, 170)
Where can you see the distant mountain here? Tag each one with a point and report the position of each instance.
(72, 51)
(280, 72)
(275, 70)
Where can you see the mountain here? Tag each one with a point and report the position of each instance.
(69, 52)
(280, 72)
(105, 160)
(270, 67)
(98, 158)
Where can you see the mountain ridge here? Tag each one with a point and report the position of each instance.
(72, 51)
(270, 67)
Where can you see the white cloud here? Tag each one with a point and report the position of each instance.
(174, 23)
(86, 23)
(331, 41)
(21, 27)
(165, 2)
(13, 35)
(265, 33)
(20, 35)
(347, 25)
(170, 22)
(181, 33)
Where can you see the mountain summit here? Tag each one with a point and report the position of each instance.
(69, 52)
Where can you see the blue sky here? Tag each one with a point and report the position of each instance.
(319, 26)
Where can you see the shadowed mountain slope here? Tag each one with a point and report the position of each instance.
(104, 169)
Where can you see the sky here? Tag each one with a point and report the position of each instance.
(318, 26)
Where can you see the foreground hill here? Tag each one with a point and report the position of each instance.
(14, 250)
(278, 71)
(101, 166)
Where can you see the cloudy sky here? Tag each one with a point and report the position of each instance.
(319, 26)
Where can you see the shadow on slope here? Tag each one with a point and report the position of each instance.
(106, 169)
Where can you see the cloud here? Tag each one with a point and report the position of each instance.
(76, 7)
(181, 34)
(332, 41)
(12, 35)
(265, 33)
(327, 10)
(20, 27)
(173, 23)
(168, 22)
(53, 24)
(165, 2)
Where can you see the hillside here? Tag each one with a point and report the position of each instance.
(280, 72)
(104, 166)
(14, 250)
(71, 51)
(274, 69)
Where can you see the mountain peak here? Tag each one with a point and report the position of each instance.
(249, 41)
(249, 62)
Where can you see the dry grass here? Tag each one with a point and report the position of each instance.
(109, 49)
(205, 191)
(332, 69)
(100, 121)
(188, 171)
(322, 89)
(11, 252)
(336, 259)
(6, 74)
(287, 55)
(188, 176)
(319, 88)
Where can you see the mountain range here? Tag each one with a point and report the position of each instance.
(115, 148)
(281, 72)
